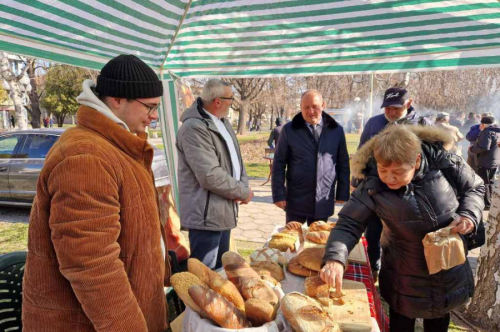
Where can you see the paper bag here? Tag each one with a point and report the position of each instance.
(443, 250)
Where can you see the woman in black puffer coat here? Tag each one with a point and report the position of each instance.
(414, 186)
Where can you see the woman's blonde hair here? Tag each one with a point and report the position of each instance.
(396, 144)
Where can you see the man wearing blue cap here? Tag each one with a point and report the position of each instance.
(397, 111)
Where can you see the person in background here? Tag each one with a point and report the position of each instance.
(457, 120)
(13, 121)
(398, 110)
(472, 136)
(311, 164)
(212, 176)
(51, 122)
(96, 247)
(275, 133)
(487, 155)
(442, 121)
(403, 169)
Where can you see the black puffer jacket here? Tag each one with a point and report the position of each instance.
(444, 187)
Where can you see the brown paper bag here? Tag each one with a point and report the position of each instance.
(443, 250)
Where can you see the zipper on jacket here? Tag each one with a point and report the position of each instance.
(206, 208)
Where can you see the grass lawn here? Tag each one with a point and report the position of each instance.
(257, 170)
(251, 136)
(13, 237)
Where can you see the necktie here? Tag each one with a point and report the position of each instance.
(315, 133)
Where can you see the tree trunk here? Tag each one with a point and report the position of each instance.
(242, 119)
(272, 118)
(60, 119)
(15, 96)
(34, 111)
(484, 309)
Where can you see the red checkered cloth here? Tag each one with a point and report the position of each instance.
(362, 273)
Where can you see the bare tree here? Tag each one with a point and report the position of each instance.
(248, 91)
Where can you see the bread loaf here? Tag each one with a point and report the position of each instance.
(293, 232)
(283, 242)
(227, 289)
(306, 315)
(218, 308)
(297, 269)
(294, 225)
(237, 269)
(258, 289)
(270, 280)
(321, 226)
(259, 312)
(268, 254)
(311, 285)
(201, 271)
(319, 237)
(270, 269)
(311, 258)
(181, 283)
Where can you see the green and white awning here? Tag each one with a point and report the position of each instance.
(246, 38)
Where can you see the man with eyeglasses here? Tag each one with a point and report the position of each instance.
(96, 256)
(212, 176)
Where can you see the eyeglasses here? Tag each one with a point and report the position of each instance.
(151, 108)
(230, 98)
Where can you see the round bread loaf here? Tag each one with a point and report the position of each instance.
(259, 312)
(181, 282)
(283, 242)
(297, 269)
(311, 285)
(294, 225)
(227, 289)
(258, 289)
(270, 269)
(311, 258)
(319, 237)
(306, 315)
(268, 254)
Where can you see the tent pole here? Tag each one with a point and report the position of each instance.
(370, 106)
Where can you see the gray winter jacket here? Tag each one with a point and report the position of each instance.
(207, 189)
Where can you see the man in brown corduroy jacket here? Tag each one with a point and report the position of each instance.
(96, 253)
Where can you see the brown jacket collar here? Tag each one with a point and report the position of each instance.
(135, 146)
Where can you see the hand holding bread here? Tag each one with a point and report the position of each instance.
(332, 274)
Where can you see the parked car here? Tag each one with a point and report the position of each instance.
(22, 155)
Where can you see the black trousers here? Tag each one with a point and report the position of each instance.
(400, 323)
(302, 219)
(488, 176)
(209, 246)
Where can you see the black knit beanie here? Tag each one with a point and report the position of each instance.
(127, 76)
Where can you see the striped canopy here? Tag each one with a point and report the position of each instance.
(243, 38)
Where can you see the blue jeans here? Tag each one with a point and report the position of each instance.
(209, 246)
(372, 234)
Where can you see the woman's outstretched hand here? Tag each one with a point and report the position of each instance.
(332, 274)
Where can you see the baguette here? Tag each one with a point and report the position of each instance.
(201, 271)
(269, 269)
(218, 308)
(311, 258)
(227, 289)
(237, 269)
(306, 315)
(319, 237)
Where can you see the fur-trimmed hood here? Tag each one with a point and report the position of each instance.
(426, 134)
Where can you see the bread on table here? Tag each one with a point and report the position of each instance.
(283, 242)
(319, 237)
(306, 315)
(259, 289)
(181, 282)
(293, 232)
(270, 269)
(259, 312)
(203, 272)
(321, 226)
(218, 308)
(227, 289)
(297, 269)
(294, 225)
(311, 258)
(311, 285)
(230, 257)
(269, 255)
